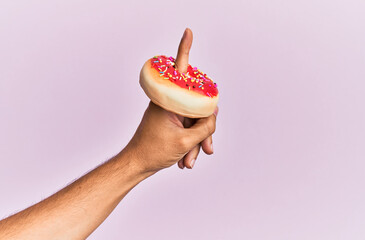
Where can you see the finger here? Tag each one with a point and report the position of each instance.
(202, 129)
(182, 58)
(207, 145)
(191, 157)
(180, 163)
(188, 122)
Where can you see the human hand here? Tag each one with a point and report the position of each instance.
(164, 138)
(161, 139)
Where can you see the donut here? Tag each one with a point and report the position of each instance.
(192, 94)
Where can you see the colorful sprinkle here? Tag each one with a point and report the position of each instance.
(194, 76)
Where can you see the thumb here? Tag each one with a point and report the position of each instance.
(182, 58)
(202, 129)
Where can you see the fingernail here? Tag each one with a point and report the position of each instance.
(192, 163)
(211, 146)
(216, 111)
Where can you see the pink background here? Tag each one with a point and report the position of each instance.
(290, 140)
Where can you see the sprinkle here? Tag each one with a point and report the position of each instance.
(194, 78)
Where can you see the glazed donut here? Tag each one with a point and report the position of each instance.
(192, 94)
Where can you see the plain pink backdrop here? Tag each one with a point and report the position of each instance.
(290, 140)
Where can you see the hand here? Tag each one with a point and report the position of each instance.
(161, 139)
(164, 138)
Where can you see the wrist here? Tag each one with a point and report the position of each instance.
(131, 157)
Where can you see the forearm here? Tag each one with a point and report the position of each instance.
(77, 210)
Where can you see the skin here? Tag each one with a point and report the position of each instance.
(182, 61)
(160, 141)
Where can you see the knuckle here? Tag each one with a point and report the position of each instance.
(210, 126)
(184, 142)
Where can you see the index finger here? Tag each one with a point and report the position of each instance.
(182, 58)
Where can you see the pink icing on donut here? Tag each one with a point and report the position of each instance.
(193, 80)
